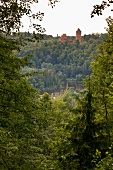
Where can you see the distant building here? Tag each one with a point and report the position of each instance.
(70, 40)
(64, 38)
(78, 35)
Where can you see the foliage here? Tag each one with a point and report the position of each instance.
(61, 62)
(11, 13)
(91, 131)
(17, 110)
(41, 132)
(98, 9)
(31, 126)
(106, 163)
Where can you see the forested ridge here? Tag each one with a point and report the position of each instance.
(61, 62)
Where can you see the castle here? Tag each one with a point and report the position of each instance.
(78, 35)
(64, 37)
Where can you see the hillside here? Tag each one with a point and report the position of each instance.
(61, 62)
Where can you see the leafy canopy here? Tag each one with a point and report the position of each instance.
(98, 9)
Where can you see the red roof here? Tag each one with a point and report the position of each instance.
(63, 35)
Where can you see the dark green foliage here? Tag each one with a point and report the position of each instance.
(82, 147)
(90, 145)
(31, 127)
(98, 9)
(11, 13)
(17, 110)
(61, 61)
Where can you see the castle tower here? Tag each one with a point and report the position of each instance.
(63, 38)
(78, 35)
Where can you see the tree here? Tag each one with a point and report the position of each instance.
(101, 85)
(19, 146)
(91, 131)
(18, 103)
(82, 144)
(11, 13)
(98, 9)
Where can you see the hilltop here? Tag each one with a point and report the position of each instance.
(61, 62)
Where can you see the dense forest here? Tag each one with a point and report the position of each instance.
(61, 63)
(40, 132)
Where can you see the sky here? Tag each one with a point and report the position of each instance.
(69, 15)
